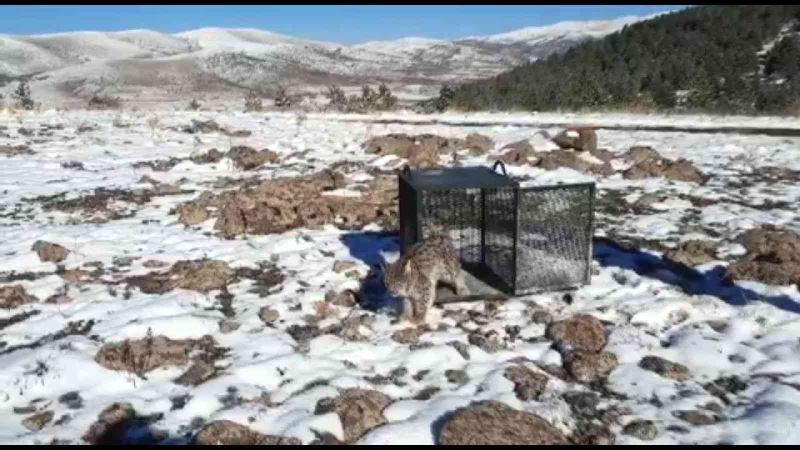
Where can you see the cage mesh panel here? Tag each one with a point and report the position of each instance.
(457, 213)
(554, 242)
(499, 234)
(408, 213)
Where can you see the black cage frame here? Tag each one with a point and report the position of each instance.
(519, 240)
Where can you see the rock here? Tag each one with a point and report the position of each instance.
(198, 275)
(360, 410)
(693, 253)
(641, 429)
(143, 355)
(50, 252)
(14, 150)
(226, 432)
(268, 315)
(528, 385)
(665, 368)
(494, 423)
(541, 316)
(228, 326)
(248, 158)
(695, 417)
(191, 213)
(577, 138)
(580, 332)
(456, 376)
(478, 144)
(196, 374)
(517, 153)
(37, 421)
(640, 153)
(680, 170)
(461, 348)
(342, 266)
(586, 367)
(71, 399)
(407, 336)
(111, 417)
(565, 158)
(281, 204)
(582, 403)
(590, 433)
(303, 333)
(211, 156)
(343, 298)
(15, 295)
(773, 257)
(487, 341)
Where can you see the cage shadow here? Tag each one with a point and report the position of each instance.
(369, 247)
(610, 254)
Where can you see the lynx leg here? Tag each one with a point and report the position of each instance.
(426, 303)
(408, 309)
(461, 285)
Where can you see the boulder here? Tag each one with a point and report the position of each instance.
(140, 356)
(360, 410)
(478, 144)
(665, 368)
(248, 158)
(587, 367)
(580, 332)
(226, 432)
(494, 423)
(15, 295)
(693, 253)
(528, 385)
(50, 252)
(577, 138)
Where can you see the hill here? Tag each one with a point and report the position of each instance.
(741, 59)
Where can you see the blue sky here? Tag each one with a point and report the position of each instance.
(343, 24)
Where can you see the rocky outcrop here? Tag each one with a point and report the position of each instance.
(773, 257)
(494, 423)
(577, 138)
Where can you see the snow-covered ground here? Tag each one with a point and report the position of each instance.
(752, 332)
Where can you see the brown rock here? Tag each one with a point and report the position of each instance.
(494, 423)
(196, 374)
(586, 367)
(565, 158)
(37, 421)
(343, 298)
(197, 275)
(641, 429)
(665, 368)
(50, 252)
(680, 170)
(191, 213)
(143, 355)
(15, 295)
(478, 144)
(248, 158)
(342, 266)
(226, 432)
(517, 153)
(641, 153)
(694, 417)
(528, 385)
(581, 332)
(268, 315)
(693, 253)
(14, 150)
(406, 336)
(360, 410)
(577, 138)
(590, 433)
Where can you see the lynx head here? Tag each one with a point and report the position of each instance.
(396, 276)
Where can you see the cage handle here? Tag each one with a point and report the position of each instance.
(502, 166)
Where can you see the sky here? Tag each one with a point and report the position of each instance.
(342, 24)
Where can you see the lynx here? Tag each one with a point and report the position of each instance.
(414, 276)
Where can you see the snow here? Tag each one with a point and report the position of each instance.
(650, 313)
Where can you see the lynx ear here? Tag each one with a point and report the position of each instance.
(407, 267)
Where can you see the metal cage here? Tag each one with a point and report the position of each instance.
(518, 240)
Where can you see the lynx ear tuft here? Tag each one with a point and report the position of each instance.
(407, 267)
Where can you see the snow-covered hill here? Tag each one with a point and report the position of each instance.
(74, 65)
